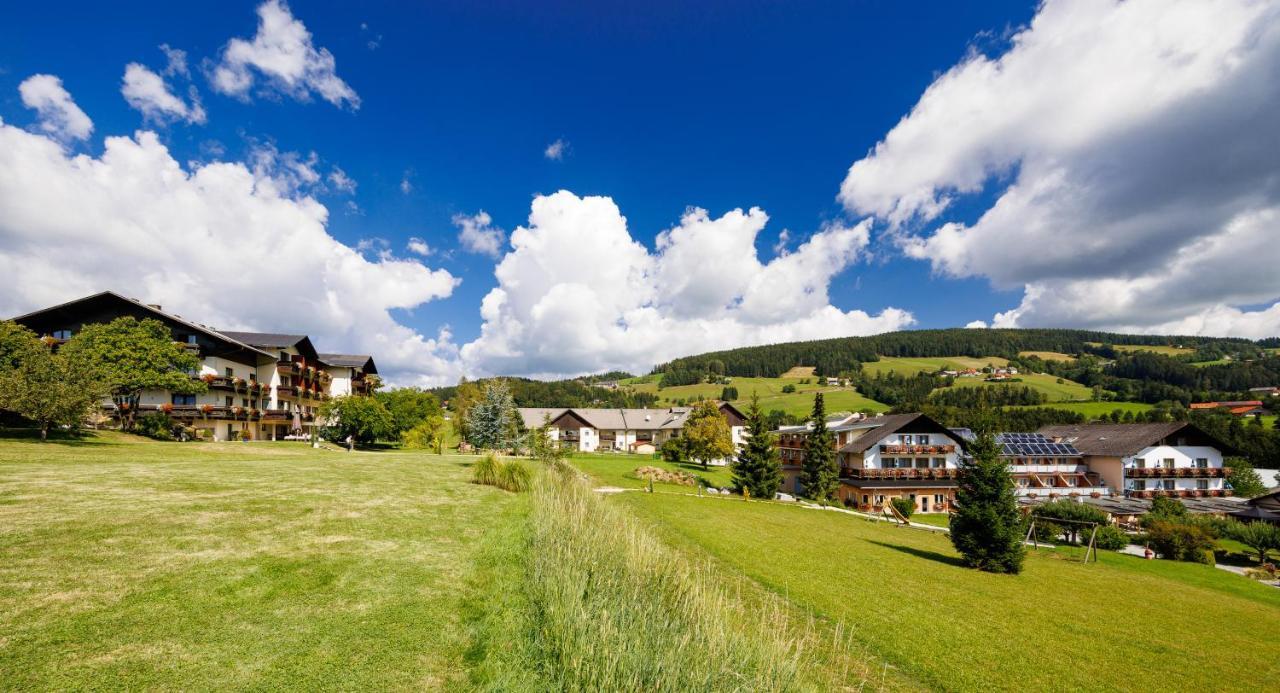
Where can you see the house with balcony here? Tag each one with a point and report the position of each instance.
(1044, 469)
(259, 386)
(1145, 460)
(586, 429)
(881, 458)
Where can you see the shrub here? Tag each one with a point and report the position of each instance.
(155, 425)
(903, 505)
(1178, 541)
(1110, 538)
(666, 476)
(788, 389)
(674, 450)
(514, 476)
(486, 471)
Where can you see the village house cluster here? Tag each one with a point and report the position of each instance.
(912, 456)
(260, 386)
(641, 431)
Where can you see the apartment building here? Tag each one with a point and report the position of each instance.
(1146, 460)
(881, 458)
(260, 386)
(585, 429)
(1043, 468)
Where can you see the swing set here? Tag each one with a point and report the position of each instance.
(1091, 550)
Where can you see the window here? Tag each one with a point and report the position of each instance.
(244, 402)
(939, 462)
(938, 499)
(186, 400)
(230, 372)
(1202, 462)
(191, 339)
(1202, 484)
(230, 400)
(865, 499)
(879, 500)
(1168, 463)
(62, 334)
(1140, 463)
(253, 377)
(1167, 484)
(1140, 485)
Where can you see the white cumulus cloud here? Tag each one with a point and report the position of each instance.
(283, 56)
(577, 293)
(1131, 151)
(148, 93)
(341, 181)
(225, 244)
(477, 234)
(417, 246)
(57, 112)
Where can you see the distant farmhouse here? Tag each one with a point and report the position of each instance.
(260, 385)
(639, 431)
(1251, 407)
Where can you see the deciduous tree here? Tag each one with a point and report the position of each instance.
(364, 419)
(706, 434)
(47, 389)
(128, 356)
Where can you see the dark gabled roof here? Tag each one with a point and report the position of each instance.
(272, 340)
(110, 297)
(362, 361)
(892, 423)
(1122, 440)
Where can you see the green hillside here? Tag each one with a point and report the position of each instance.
(772, 397)
(1065, 391)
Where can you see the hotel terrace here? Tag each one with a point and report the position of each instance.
(260, 386)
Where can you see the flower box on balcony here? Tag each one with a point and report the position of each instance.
(167, 408)
(206, 409)
(208, 378)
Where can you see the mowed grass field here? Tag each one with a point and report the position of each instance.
(1121, 624)
(1158, 349)
(772, 397)
(618, 470)
(1048, 355)
(911, 365)
(143, 565)
(1094, 410)
(1064, 391)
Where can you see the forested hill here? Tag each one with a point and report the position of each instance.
(845, 354)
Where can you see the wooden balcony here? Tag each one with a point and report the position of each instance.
(904, 474)
(287, 368)
(1177, 472)
(917, 449)
(286, 392)
(1180, 493)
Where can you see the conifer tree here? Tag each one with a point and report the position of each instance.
(493, 422)
(986, 528)
(820, 474)
(757, 471)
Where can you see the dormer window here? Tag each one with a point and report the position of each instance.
(62, 334)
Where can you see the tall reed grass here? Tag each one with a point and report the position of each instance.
(604, 606)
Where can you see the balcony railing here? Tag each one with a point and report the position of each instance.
(1180, 493)
(912, 474)
(917, 449)
(286, 392)
(1048, 468)
(287, 368)
(1177, 472)
(1063, 491)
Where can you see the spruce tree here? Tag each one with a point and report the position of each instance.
(986, 528)
(758, 471)
(493, 422)
(820, 475)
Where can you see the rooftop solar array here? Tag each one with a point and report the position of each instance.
(1033, 445)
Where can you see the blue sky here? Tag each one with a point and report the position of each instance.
(661, 107)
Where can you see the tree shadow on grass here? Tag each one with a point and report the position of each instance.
(85, 440)
(923, 553)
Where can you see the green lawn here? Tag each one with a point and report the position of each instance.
(610, 469)
(912, 365)
(1121, 624)
(772, 397)
(144, 565)
(1065, 391)
(1094, 410)
(1048, 355)
(1159, 349)
(935, 519)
